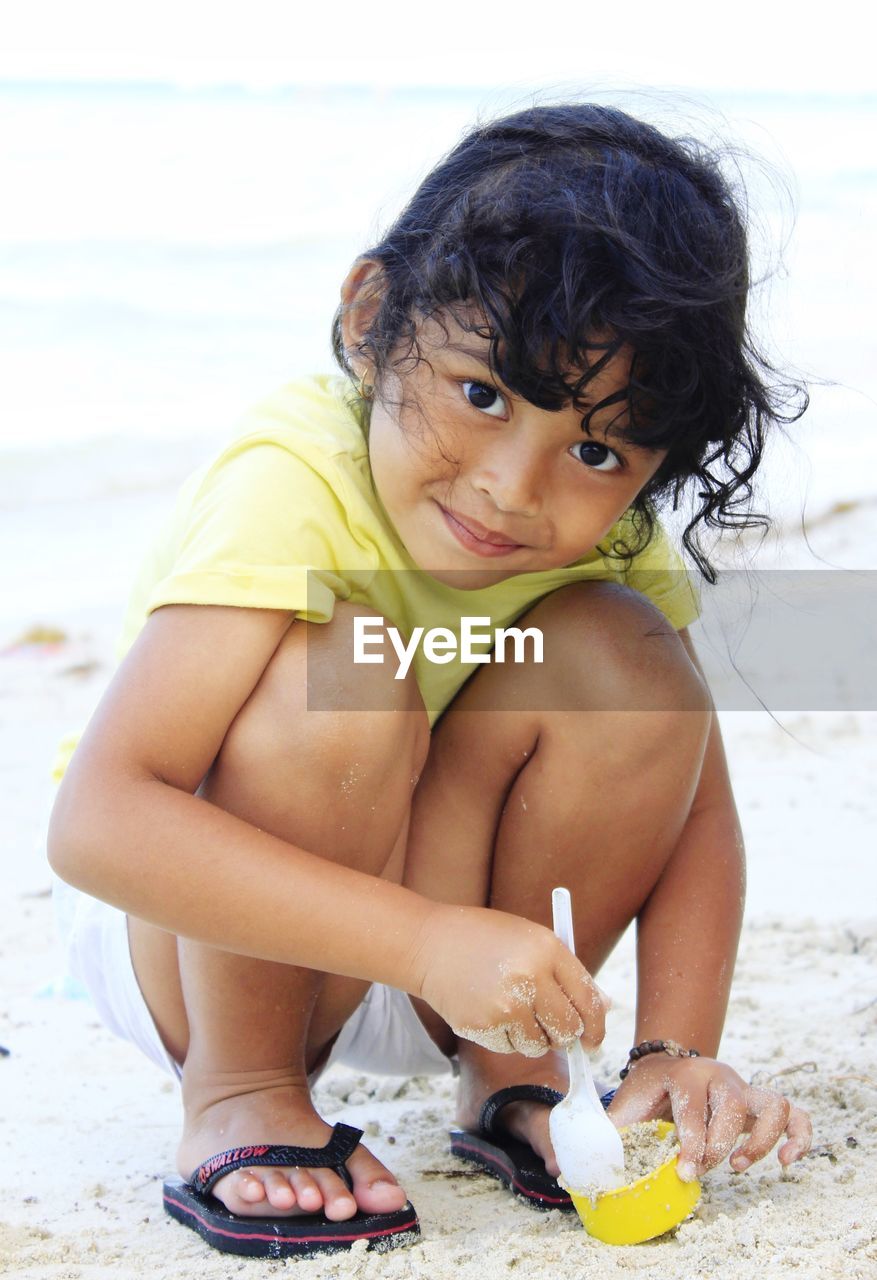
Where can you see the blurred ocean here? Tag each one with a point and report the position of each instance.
(167, 256)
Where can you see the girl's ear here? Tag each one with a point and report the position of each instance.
(361, 297)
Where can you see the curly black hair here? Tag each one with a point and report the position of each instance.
(569, 231)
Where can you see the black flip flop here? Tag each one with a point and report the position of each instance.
(513, 1162)
(192, 1204)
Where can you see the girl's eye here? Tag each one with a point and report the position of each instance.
(596, 456)
(485, 398)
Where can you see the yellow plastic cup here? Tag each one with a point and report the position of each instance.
(643, 1209)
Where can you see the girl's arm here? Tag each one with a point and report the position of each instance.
(687, 935)
(128, 828)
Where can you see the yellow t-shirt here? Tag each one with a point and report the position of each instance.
(287, 517)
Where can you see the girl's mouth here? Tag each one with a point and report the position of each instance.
(487, 544)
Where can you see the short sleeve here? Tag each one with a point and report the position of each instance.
(262, 529)
(658, 573)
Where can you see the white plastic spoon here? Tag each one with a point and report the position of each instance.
(586, 1142)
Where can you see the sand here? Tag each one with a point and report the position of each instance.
(90, 1129)
(646, 1149)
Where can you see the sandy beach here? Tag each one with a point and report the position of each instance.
(90, 1129)
(149, 298)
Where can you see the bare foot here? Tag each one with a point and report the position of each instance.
(483, 1073)
(270, 1108)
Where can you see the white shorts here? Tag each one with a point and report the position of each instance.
(383, 1037)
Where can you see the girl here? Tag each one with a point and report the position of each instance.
(286, 856)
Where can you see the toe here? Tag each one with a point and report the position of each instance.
(307, 1193)
(375, 1188)
(277, 1188)
(338, 1203)
(384, 1195)
(244, 1184)
(241, 1192)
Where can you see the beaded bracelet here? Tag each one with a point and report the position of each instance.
(656, 1046)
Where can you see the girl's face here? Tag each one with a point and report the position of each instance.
(481, 485)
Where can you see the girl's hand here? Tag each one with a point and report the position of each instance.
(505, 983)
(711, 1106)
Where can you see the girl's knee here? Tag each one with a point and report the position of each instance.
(606, 647)
(316, 713)
(340, 680)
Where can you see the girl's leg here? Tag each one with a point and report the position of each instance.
(248, 1031)
(586, 770)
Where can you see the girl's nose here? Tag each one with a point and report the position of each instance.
(510, 478)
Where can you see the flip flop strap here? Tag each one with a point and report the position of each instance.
(514, 1093)
(333, 1155)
